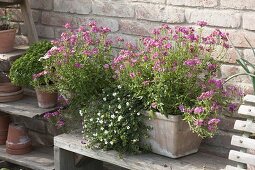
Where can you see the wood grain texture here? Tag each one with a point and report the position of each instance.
(242, 157)
(245, 126)
(199, 161)
(39, 159)
(27, 107)
(247, 110)
(243, 142)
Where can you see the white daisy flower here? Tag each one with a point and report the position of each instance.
(98, 113)
(91, 119)
(111, 142)
(119, 118)
(138, 113)
(119, 106)
(114, 94)
(80, 112)
(104, 98)
(112, 116)
(128, 127)
(119, 86)
(127, 104)
(102, 128)
(118, 99)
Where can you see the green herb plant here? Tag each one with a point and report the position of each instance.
(23, 69)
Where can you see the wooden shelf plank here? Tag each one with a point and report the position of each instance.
(27, 107)
(199, 161)
(39, 158)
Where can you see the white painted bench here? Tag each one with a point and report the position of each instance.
(67, 146)
(247, 127)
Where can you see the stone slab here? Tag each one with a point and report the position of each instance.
(199, 161)
(39, 158)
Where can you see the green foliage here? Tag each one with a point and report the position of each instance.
(26, 66)
(115, 122)
(5, 21)
(246, 65)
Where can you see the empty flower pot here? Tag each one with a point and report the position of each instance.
(46, 99)
(4, 124)
(18, 142)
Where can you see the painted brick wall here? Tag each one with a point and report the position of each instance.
(134, 18)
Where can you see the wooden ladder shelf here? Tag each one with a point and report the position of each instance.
(243, 157)
(27, 14)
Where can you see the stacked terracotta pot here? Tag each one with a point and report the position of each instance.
(9, 92)
(4, 124)
(18, 142)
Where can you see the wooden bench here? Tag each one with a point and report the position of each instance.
(67, 146)
(247, 127)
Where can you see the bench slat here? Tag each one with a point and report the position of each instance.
(228, 167)
(249, 99)
(245, 126)
(247, 110)
(242, 157)
(243, 142)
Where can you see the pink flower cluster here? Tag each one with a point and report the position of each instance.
(38, 75)
(55, 118)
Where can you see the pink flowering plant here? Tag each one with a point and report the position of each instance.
(55, 118)
(79, 62)
(173, 72)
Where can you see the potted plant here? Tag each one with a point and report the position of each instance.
(77, 61)
(175, 76)
(45, 90)
(22, 70)
(7, 33)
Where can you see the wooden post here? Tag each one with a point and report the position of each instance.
(65, 160)
(29, 22)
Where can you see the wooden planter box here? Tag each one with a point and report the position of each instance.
(172, 137)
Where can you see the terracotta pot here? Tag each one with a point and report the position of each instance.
(4, 124)
(251, 167)
(10, 97)
(45, 99)
(18, 142)
(8, 88)
(172, 137)
(7, 38)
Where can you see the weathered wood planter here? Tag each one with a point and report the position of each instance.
(172, 137)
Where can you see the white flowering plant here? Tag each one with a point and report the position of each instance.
(115, 122)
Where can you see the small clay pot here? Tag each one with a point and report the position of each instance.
(7, 38)
(46, 99)
(4, 124)
(18, 142)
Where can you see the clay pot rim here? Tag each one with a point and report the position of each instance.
(11, 94)
(9, 30)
